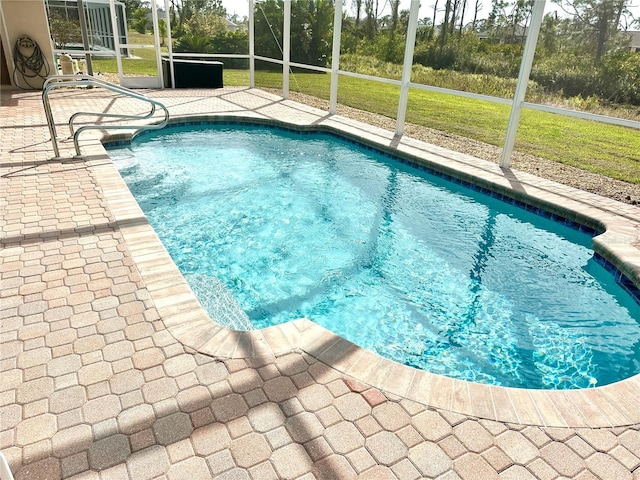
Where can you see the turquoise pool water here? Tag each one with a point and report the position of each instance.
(421, 270)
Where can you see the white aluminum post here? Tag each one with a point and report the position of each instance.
(85, 38)
(167, 19)
(335, 56)
(408, 64)
(116, 39)
(523, 80)
(156, 42)
(252, 50)
(286, 47)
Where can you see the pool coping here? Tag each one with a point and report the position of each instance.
(607, 406)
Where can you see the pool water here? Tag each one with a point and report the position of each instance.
(421, 270)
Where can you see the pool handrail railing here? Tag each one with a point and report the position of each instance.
(55, 81)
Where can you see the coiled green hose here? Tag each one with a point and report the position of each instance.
(30, 63)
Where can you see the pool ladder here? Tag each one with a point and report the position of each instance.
(59, 81)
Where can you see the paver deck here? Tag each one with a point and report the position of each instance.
(111, 370)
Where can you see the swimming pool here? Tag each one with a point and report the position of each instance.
(426, 272)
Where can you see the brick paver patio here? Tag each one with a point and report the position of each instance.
(98, 383)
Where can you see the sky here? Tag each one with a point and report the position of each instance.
(241, 7)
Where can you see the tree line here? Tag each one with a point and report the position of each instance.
(582, 49)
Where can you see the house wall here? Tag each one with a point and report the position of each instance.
(634, 41)
(26, 17)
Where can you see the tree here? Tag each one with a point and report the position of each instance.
(358, 7)
(445, 24)
(205, 24)
(476, 10)
(425, 30)
(183, 10)
(454, 15)
(464, 7)
(139, 19)
(596, 22)
(433, 22)
(548, 40)
(311, 30)
(63, 30)
(189, 43)
(203, 6)
(395, 5)
(319, 16)
(268, 20)
(130, 6)
(519, 17)
(371, 18)
(162, 30)
(403, 20)
(497, 19)
(507, 22)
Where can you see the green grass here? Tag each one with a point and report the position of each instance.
(596, 147)
(144, 63)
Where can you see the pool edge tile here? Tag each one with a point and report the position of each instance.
(399, 380)
(363, 366)
(441, 392)
(547, 408)
(335, 351)
(277, 340)
(348, 358)
(503, 405)
(481, 400)
(567, 409)
(610, 410)
(524, 407)
(590, 411)
(461, 398)
(420, 388)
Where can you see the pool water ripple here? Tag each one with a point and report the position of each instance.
(415, 268)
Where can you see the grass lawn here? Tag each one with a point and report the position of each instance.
(142, 64)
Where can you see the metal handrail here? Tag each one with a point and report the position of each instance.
(111, 115)
(56, 81)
